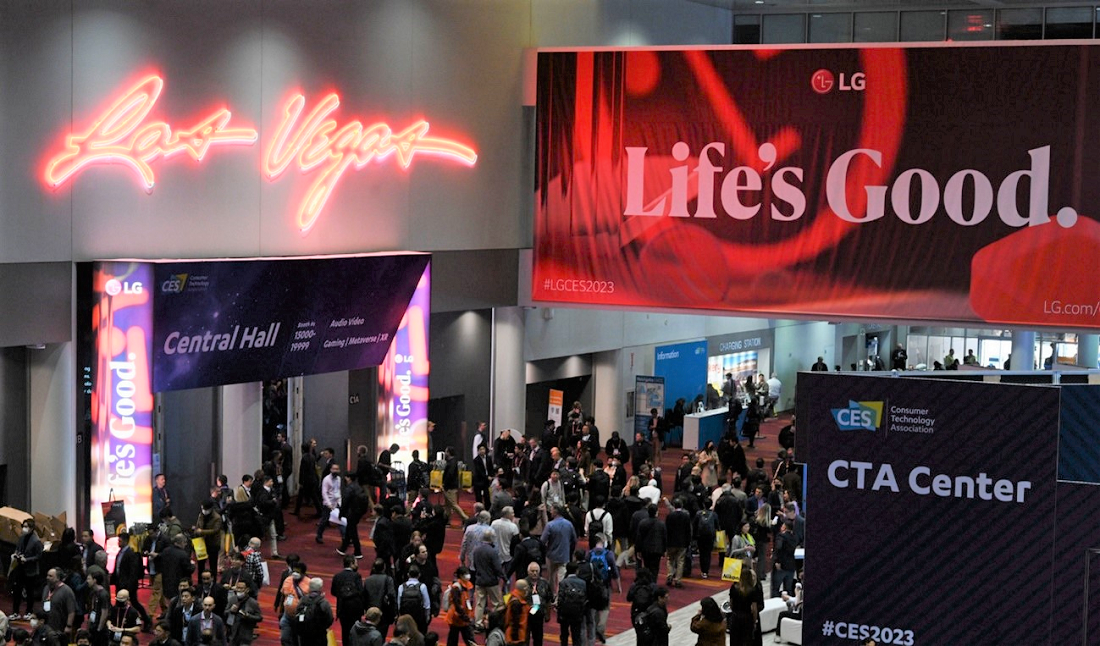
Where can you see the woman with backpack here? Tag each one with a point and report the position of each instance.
(458, 606)
(705, 528)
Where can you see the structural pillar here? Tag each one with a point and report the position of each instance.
(508, 397)
(1023, 350)
(241, 425)
(1087, 351)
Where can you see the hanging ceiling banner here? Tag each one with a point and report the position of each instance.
(945, 183)
(234, 321)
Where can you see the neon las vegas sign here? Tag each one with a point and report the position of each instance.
(316, 144)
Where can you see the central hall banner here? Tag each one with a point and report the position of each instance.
(931, 520)
(947, 183)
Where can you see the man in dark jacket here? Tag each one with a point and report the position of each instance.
(539, 463)
(651, 541)
(179, 614)
(599, 483)
(484, 470)
(175, 564)
(488, 575)
(129, 570)
(542, 599)
(347, 589)
(365, 632)
(656, 625)
(27, 576)
(640, 453)
(314, 632)
(450, 484)
(678, 526)
(309, 485)
(380, 591)
(206, 622)
(354, 504)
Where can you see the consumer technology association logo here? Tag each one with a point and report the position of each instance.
(859, 415)
(174, 284)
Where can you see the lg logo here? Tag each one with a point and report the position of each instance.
(823, 82)
(114, 287)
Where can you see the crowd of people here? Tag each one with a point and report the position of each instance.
(555, 521)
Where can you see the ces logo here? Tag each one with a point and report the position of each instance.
(174, 284)
(858, 415)
(823, 82)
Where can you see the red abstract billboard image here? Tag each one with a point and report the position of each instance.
(923, 183)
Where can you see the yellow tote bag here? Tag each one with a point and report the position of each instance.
(331, 637)
(720, 541)
(731, 570)
(436, 480)
(200, 549)
(465, 479)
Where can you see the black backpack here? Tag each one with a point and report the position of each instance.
(533, 547)
(572, 597)
(409, 600)
(308, 616)
(596, 527)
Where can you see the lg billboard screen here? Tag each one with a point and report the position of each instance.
(919, 183)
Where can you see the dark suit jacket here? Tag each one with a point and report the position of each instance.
(31, 548)
(89, 554)
(128, 569)
(652, 536)
(175, 618)
(678, 525)
(175, 564)
(194, 630)
(484, 470)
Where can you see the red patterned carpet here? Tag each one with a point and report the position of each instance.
(323, 561)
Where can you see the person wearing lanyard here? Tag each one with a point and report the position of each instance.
(59, 604)
(100, 608)
(123, 618)
(162, 635)
(206, 622)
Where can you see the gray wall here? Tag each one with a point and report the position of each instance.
(14, 432)
(189, 421)
(325, 412)
(461, 351)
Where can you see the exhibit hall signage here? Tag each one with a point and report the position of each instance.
(307, 137)
(932, 520)
(122, 392)
(946, 183)
(171, 325)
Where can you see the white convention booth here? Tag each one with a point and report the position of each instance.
(700, 427)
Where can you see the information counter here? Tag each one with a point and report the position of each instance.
(699, 428)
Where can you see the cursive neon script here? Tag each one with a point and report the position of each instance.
(121, 136)
(320, 145)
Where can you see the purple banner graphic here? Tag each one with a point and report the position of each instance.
(403, 380)
(122, 397)
(931, 519)
(249, 320)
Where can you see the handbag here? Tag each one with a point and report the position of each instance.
(720, 540)
(731, 570)
(267, 573)
(200, 549)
